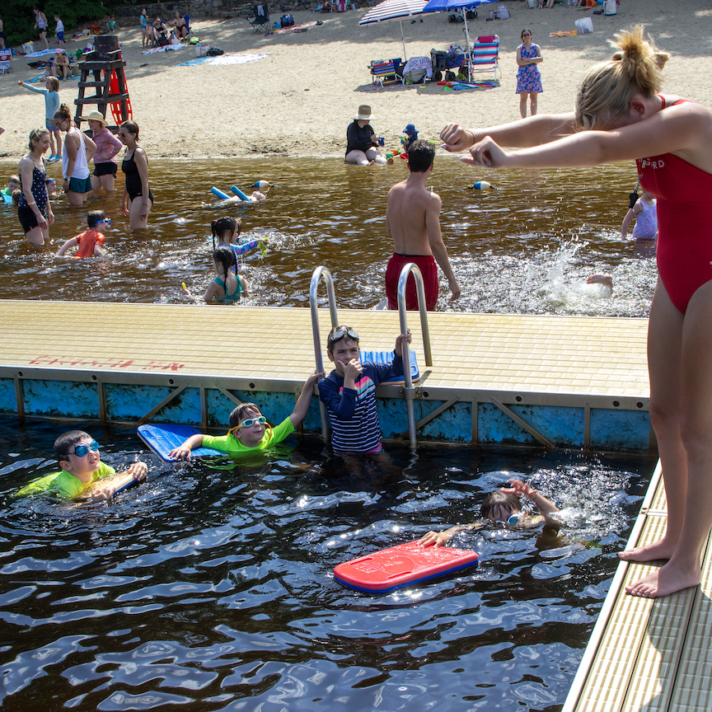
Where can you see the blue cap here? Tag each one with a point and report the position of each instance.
(410, 130)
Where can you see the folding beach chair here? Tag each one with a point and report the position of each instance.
(259, 19)
(189, 36)
(385, 71)
(484, 56)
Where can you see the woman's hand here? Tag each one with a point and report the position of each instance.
(50, 218)
(489, 154)
(144, 209)
(41, 222)
(456, 138)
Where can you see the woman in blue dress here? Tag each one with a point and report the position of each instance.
(528, 76)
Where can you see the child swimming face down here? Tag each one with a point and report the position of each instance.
(499, 506)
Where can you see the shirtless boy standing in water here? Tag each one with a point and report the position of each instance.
(413, 221)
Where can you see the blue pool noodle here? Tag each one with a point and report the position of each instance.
(219, 194)
(238, 193)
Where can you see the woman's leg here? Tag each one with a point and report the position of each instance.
(76, 199)
(523, 104)
(374, 156)
(665, 329)
(136, 222)
(357, 157)
(533, 100)
(684, 567)
(43, 37)
(108, 182)
(37, 236)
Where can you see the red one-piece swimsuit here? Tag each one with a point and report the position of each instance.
(684, 195)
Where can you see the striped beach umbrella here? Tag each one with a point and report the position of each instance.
(394, 10)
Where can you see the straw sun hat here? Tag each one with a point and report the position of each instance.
(364, 113)
(96, 116)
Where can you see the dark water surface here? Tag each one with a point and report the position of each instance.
(526, 247)
(211, 589)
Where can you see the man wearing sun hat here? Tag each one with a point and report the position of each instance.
(107, 146)
(361, 140)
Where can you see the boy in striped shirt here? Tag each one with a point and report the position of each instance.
(349, 392)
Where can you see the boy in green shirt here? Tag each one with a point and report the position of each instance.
(249, 430)
(78, 455)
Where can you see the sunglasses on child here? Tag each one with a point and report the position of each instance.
(248, 423)
(342, 332)
(83, 450)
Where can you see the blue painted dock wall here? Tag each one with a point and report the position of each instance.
(576, 422)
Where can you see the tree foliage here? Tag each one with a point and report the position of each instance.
(19, 19)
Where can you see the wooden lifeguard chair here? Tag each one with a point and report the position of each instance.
(109, 81)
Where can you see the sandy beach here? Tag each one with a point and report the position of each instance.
(300, 98)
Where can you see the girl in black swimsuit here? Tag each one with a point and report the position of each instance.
(138, 199)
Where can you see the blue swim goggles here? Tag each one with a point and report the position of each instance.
(512, 520)
(83, 450)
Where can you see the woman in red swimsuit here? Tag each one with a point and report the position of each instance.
(621, 116)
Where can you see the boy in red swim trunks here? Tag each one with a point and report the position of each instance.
(90, 241)
(413, 221)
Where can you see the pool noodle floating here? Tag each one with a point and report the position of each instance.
(388, 569)
(161, 439)
(238, 193)
(219, 194)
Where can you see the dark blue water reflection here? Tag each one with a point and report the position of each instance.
(212, 589)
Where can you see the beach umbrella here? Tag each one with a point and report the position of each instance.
(457, 6)
(394, 10)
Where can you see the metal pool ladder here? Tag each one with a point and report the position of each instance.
(408, 389)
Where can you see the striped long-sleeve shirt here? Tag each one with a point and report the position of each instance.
(352, 411)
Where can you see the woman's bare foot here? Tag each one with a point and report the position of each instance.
(666, 580)
(650, 552)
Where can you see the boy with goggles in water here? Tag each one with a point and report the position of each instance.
(84, 477)
(349, 392)
(249, 429)
(503, 506)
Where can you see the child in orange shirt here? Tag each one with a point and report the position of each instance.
(90, 241)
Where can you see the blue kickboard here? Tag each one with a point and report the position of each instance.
(164, 438)
(6, 199)
(386, 357)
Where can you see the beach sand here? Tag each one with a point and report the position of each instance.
(299, 100)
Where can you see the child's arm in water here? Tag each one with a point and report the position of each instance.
(442, 538)
(633, 212)
(136, 473)
(545, 507)
(304, 401)
(69, 243)
(182, 452)
(211, 292)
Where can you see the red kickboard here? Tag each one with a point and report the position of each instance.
(401, 565)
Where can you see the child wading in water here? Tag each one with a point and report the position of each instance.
(228, 286)
(249, 430)
(645, 212)
(51, 99)
(226, 231)
(90, 241)
(504, 506)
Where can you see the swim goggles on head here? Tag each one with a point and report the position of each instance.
(248, 423)
(82, 450)
(341, 332)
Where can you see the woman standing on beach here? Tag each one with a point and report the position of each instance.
(528, 76)
(620, 115)
(138, 199)
(34, 210)
(77, 151)
(41, 25)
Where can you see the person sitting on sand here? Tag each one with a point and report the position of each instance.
(361, 141)
(504, 506)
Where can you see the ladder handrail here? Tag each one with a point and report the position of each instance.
(408, 389)
(317, 276)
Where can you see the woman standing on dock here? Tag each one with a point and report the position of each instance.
(138, 199)
(620, 115)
